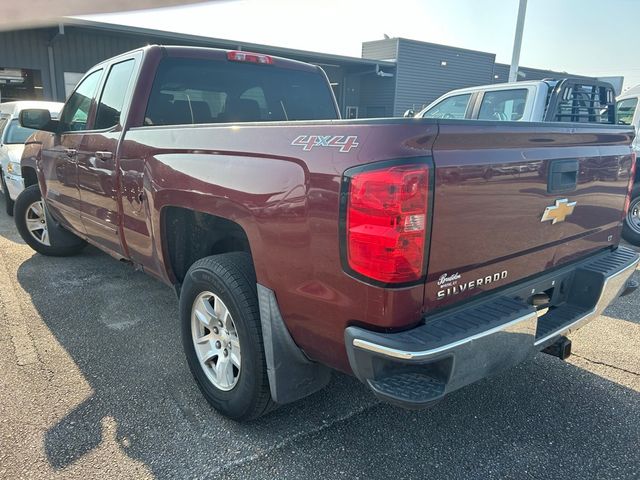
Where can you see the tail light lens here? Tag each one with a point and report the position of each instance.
(386, 223)
(632, 177)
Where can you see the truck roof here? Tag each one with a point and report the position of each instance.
(215, 54)
(496, 86)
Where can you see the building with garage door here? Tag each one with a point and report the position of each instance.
(393, 74)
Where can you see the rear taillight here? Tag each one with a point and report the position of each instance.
(387, 221)
(632, 176)
(237, 56)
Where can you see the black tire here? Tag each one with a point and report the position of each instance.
(631, 232)
(8, 203)
(62, 242)
(231, 277)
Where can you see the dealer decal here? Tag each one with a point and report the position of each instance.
(341, 142)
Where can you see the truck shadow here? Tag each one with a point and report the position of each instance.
(121, 329)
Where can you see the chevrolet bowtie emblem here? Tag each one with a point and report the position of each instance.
(558, 212)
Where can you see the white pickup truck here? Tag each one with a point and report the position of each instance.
(565, 100)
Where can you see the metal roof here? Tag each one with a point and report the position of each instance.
(314, 57)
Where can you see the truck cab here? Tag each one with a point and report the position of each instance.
(549, 100)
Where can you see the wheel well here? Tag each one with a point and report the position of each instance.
(30, 177)
(190, 236)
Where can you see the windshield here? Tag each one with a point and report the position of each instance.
(16, 133)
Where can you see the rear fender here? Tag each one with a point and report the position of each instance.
(271, 208)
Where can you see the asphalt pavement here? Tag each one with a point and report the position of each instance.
(93, 384)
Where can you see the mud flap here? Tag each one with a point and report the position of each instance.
(292, 375)
(58, 235)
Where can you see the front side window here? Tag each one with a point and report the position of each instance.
(113, 93)
(625, 110)
(452, 107)
(76, 111)
(506, 105)
(192, 91)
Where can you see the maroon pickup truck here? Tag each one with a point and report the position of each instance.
(299, 243)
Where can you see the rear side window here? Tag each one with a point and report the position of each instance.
(452, 107)
(506, 105)
(113, 93)
(626, 109)
(191, 91)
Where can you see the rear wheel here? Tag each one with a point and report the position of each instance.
(631, 228)
(38, 230)
(8, 203)
(222, 335)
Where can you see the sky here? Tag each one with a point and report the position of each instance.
(587, 37)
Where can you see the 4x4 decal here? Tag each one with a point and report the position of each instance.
(344, 143)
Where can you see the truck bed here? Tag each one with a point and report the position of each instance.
(490, 190)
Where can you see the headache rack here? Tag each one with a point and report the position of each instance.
(581, 100)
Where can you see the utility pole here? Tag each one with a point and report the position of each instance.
(517, 42)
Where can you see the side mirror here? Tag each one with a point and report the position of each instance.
(409, 113)
(37, 119)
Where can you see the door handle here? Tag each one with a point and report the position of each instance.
(102, 155)
(71, 152)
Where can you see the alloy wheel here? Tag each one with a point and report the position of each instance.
(36, 222)
(216, 341)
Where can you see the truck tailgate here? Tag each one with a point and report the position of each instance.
(493, 184)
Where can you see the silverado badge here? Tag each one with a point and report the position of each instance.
(558, 212)
(452, 284)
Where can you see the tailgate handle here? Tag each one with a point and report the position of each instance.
(562, 176)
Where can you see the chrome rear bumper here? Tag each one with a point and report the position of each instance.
(452, 349)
